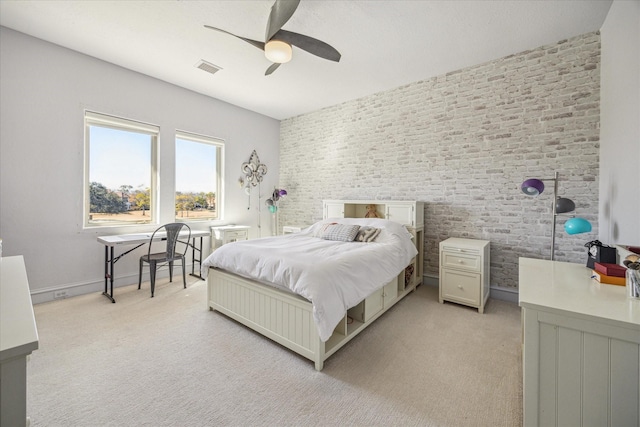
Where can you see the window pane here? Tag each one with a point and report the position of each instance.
(120, 180)
(197, 178)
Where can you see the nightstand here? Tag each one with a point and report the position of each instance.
(223, 234)
(288, 229)
(464, 272)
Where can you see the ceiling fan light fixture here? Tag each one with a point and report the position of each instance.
(278, 51)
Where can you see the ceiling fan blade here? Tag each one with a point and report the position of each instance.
(272, 68)
(259, 45)
(281, 12)
(311, 45)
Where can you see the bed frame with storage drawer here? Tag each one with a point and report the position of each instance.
(287, 318)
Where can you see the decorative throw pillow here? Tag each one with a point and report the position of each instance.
(367, 234)
(323, 227)
(341, 232)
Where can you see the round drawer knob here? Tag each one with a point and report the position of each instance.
(459, 286)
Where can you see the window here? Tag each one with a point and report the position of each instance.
(199, 171)
(120, 171)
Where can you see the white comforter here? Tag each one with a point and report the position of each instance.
(333, 276)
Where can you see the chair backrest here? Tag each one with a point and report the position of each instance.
(173, 232)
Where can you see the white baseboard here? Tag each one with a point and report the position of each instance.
(39, 296)
(430, 280)
(497, 292)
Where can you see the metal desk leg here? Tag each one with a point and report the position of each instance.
(194, 259)
(108, 272)
(109, 261)
(106, 267)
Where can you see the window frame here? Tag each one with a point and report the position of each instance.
(92, 118)
(219, 143)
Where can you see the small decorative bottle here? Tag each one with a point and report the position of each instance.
(633, 283)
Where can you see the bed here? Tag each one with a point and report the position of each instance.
(313, 291)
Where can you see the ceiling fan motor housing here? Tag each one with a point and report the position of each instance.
(278, 51)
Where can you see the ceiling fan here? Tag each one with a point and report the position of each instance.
(278, 42)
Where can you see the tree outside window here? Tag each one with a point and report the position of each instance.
(119, 177)
(198, 176)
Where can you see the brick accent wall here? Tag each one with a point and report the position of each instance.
(463, 143)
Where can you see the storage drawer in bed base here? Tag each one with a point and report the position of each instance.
(284, 317)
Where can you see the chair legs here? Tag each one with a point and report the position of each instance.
(152, 274)
(184, 274)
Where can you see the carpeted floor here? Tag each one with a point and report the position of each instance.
(169, 361)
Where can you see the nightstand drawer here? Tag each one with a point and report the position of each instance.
(233, 236)
(463, 259)
(288, 229)
(221, 235)
(462, 287)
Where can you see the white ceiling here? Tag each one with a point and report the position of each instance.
(384, 44)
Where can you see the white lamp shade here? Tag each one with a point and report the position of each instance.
(278, 51)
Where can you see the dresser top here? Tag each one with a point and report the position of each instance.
(17, 322)
(568, 288)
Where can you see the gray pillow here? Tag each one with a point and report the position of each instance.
(341, 232)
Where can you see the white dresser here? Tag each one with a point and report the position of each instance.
(221, 235)
(581, 349)
(464, 272)
(18, 339)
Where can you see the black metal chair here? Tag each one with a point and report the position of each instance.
(169, 256)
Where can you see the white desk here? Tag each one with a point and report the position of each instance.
(18, 339)
(581, 355)
(139, 239)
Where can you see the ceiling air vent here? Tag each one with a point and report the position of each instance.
(208, 67)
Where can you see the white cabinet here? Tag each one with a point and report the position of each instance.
(221, 235)
(404, 213)
(464, 272)
(581, 353)
(409, 213)
(333, 210)
(380, 300)
(19, 339)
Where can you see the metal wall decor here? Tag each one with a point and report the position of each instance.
(253, 172)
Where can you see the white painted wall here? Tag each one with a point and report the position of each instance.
(619, 214)
(45, 89)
